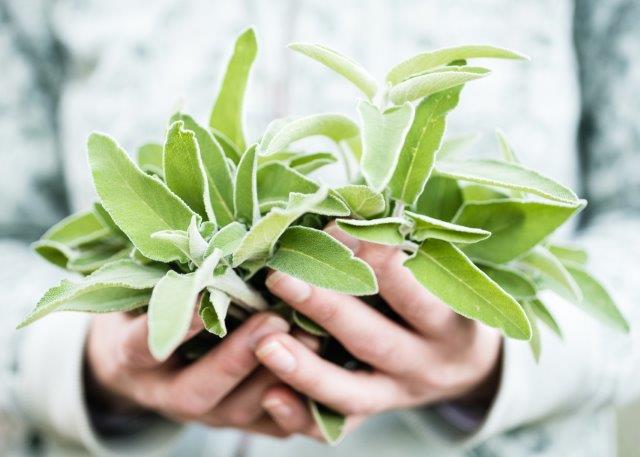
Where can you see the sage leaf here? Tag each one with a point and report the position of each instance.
(306, 163)
(77, 229)
(330, 423)
(456, 145)
(535, 343)
(277, 181)
(516, 226)
(230, 150)
(259, 242)
(423, 141)
(106, 283)
(106, 220)
(386, 230)
(341, 64)
(596, 299)
(172, 305)
(139, 204)
(54, 252)
(178, 238)
(440, 199)
(183, 169)
(567, 253)
(545, 316)
(427, 227)
(553, 273)
(383, 134)
(308, 325)
(227, 113)
(197, 243)
(508, 175)
(507, 152)
(315, 257)
(245, 193)
(336, 127)
(448, 274)
(219, 177)
(429, 60)
(431, 83)
(332, 206)
(363, 202)
(90, 258)
(240, 291)
(213, 312)
(515, 283)
(150, 159)
(227, 239)
(478, 193)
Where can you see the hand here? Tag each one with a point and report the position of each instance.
(441, 356)
(222, 389)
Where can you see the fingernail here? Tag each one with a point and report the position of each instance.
(288, 288)
(276, 407)
(275, 356)
(272, 324)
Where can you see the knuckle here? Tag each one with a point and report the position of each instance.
(325, 311)
(237, 364)
(374, 350)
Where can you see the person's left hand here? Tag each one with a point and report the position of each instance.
(442, 356)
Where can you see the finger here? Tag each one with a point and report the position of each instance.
(400, 289)
(242, 407)
(363, 331)
(289, 411)
(198, 388)
(348, 392)
(134, 349)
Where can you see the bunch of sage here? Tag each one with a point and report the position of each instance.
(194, 225)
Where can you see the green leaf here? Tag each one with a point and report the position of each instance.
(172, 305)
(596, 299)
(440, 199)
(106, 220)
(197, 243)
(245, 194)
(219, 178)
(77, 229)
(332, 206)
(110, 283)
(139, 204)
(336, 127)
(341, 64)
(431, 83)
(478, 192)
(178, 238)
(567, 253)
(362, 201)
(330, 423)
(213, 312)
(540, 310)
(508, 175)
(383, 134)
(54, 252)
(315, 257)
(183, 169)
(516, 226)
(507, 152)
(511, 280)
(308, 325)
(276, 181)
(230, 150)
(421, 145)
(90, 258)
(239, 290)
(429, 60)
(306, 163)
(386, 230)
(227, 114)
(535, 343)
(457, 144)
(259, 242)
(227, 239)
(448, 274)
(427, 227)
(150, 160)
(553, 274)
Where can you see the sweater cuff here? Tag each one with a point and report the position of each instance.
(51, 390)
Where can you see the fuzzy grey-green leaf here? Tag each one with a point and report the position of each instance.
(552, 273)
(430, 83)
(386, 230)
(330, 423)
(428, 227)
(363, 201)
(315, 257)
(245, 193)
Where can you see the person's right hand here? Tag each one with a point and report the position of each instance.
(220, 389)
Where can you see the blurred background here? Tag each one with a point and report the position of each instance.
(69, 67)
